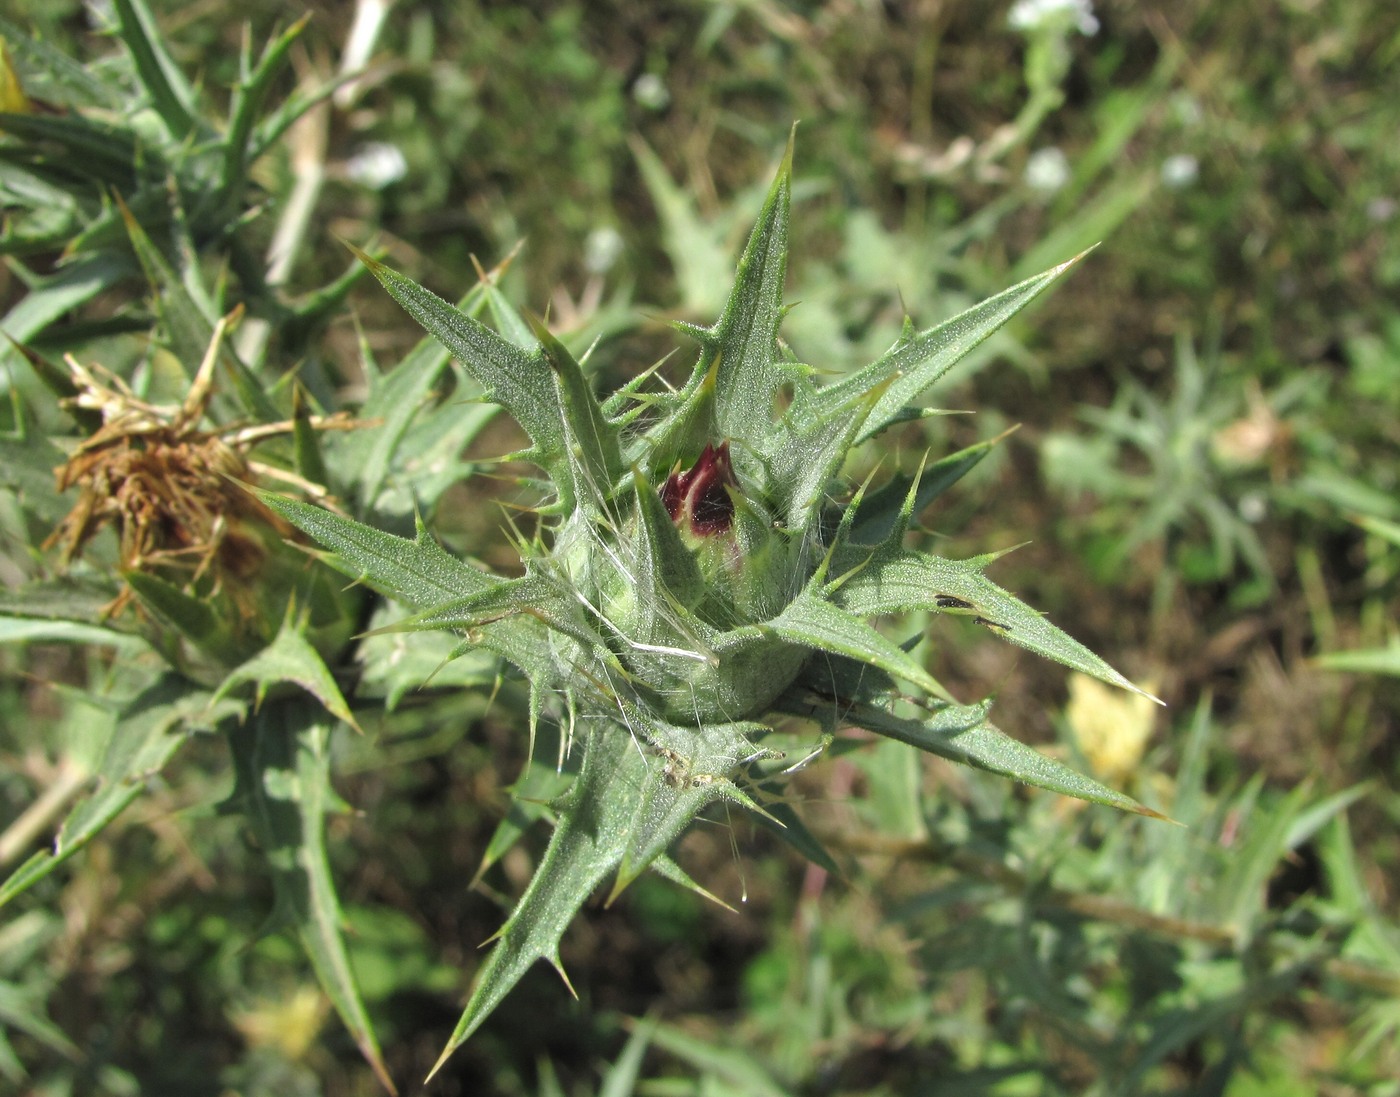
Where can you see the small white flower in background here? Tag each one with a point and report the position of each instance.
(1253, 507)
(651, 91)
(1028, 16)
(1047, 170)
(1381, 210)
(1180, 170)
(376, 165)
(601, 250)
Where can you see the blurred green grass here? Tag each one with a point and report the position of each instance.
(1210, 414)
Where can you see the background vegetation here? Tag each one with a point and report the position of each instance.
(1206, 467)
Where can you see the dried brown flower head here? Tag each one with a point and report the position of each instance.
(170, 484)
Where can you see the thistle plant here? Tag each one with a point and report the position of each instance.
(698, 574)
(122, 479)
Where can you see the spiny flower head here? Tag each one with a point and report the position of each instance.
(694, 578)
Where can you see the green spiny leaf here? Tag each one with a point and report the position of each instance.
(531, 595)
(588, 844)
(667, 869)
(875, 521)
(394, 399)
(912, 364)
(171, 95)
(896, 580)
(823, 626)
(197, 619)
(812, 458)
(306, 442)
(743, 344)
(522, 383)
(696, 766)
(590, 440)
(530, 799)
(248, 98)
(418, 572)
(282, 762)
(962, 734)
(667, 574)
(505, 318)
(290, 658)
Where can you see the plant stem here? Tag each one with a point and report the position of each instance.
(38, 818)
(1097, 907)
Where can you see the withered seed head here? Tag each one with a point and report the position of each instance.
(166, 485)
(172, 503)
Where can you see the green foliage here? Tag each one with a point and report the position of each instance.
(1174, 960)
(301, 699)
(1199, 488)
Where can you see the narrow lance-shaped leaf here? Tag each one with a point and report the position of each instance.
(590, 441)
(665, 572)
(521, 382)
(876, 518)
(394, 399)
(587, 845)
(418, 572)
(894, 580)
(812, 458)
(530, 596)
(962, 734)
(530, 799)
(200, 621)
(696, 766)
(823, 626)
(306, 441)
(248, 98)
(504, 316)
(915, 363)
(171, 95)
(282, 762)
(745, 339)
(415, 571)
(624, 810)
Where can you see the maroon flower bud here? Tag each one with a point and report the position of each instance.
(698, 500)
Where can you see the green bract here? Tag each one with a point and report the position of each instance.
(695, 578)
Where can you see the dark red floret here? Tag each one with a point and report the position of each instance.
(700, 495)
